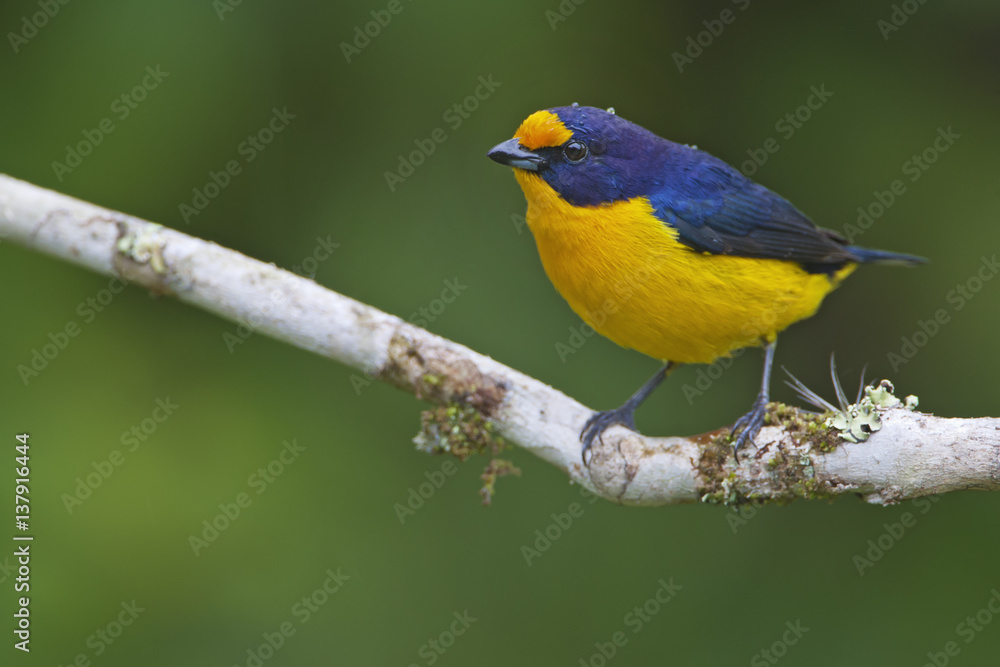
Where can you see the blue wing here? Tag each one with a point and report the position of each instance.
(716, 209)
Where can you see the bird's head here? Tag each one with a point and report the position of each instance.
(588, 156)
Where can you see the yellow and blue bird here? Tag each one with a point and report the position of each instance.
(668, 250)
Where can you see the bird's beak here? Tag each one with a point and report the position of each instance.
(512, 154)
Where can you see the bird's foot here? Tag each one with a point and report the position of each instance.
(748, 426)
(601, 421)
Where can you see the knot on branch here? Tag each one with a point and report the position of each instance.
(781, 470)
(440, 374)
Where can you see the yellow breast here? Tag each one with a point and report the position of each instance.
(626, 274)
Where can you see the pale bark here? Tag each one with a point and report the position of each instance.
(914, 454)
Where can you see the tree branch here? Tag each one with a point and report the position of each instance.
(913, 454)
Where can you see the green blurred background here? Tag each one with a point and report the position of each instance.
(323, 177)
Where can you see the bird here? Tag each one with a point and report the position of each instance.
(668, 250)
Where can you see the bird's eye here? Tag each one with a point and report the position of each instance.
(575, 151)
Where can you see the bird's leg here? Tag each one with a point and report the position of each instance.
(625, 415)
(749, 425)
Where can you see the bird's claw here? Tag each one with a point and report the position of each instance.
(601, 421)
(748, 426)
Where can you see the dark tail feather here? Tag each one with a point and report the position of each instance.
(867, 255)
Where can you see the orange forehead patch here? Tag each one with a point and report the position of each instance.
(541, 130)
